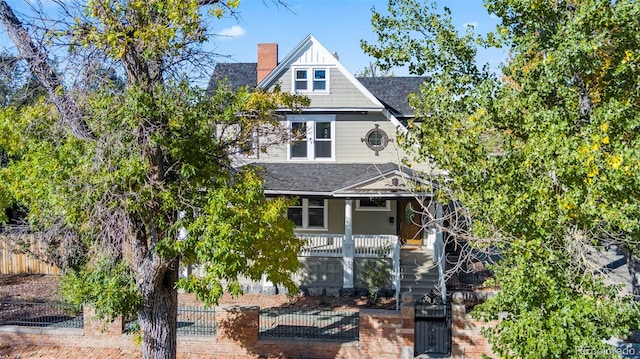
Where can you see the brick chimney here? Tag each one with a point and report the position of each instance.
(267, 59)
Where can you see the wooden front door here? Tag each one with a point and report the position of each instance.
(410, 222)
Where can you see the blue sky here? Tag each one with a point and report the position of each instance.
(338, 24)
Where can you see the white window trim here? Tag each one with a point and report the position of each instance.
(305, 216)
(386, 208)
(310, 77)
(311, 128)
(255, 147)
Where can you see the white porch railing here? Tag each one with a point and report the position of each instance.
(321, 245)
(366, 246)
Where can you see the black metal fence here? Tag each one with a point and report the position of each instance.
(339, 325)
(191, 321)
(287, 323)
(41, 314)
(467, 277)
(196, 321)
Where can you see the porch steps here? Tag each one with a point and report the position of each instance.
(418, 273)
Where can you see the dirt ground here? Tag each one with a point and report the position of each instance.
(25, 287)
(39, 352)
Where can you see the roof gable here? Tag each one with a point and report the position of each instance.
(311, 52)
(389, 94)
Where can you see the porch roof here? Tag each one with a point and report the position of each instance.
(340, 179)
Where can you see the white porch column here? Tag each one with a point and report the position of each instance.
(348, 250)
(431, 227)
(438, 250)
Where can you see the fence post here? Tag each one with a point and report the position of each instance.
(238, 328)
(408, 314)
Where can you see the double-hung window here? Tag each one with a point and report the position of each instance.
(312, 137)
(310, 80)
(309, 213)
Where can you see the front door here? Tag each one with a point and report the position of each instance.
(410, 222)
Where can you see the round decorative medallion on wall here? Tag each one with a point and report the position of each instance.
(376, 139)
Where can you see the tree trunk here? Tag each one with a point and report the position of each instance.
(158, 315)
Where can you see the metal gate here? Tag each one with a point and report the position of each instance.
(432, 326)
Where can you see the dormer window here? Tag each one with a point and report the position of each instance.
(310, 80)
(301, 80)
(319, 80)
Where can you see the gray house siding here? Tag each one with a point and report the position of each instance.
(364, 222)
(350, 129)
(342, 92)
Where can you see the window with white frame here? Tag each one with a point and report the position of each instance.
(373, 204)
(310, 80)
(248, 144)
(312, 137)
(309, 213)
(319, 80)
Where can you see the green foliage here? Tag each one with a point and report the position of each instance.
(238, 233)
(233, 228)
(153, 157)
(552, 310)
(105, 285)
(157, 26)
(544, 158)
(377, 275)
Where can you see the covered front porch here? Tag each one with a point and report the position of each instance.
(351, 211)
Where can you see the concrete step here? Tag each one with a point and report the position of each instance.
(419, 293)
(418, 273)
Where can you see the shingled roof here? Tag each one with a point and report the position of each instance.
(391, 91)
(237, 74)
(322, 178)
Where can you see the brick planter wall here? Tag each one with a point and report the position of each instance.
(467, 341)
(383, 334)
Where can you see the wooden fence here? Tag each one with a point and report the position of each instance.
(20, 263)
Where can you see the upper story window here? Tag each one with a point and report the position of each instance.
(313, 137)
(310, 80)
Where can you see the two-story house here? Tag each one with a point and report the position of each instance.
(343, 167)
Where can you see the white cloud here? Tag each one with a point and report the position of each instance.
(233, 31)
